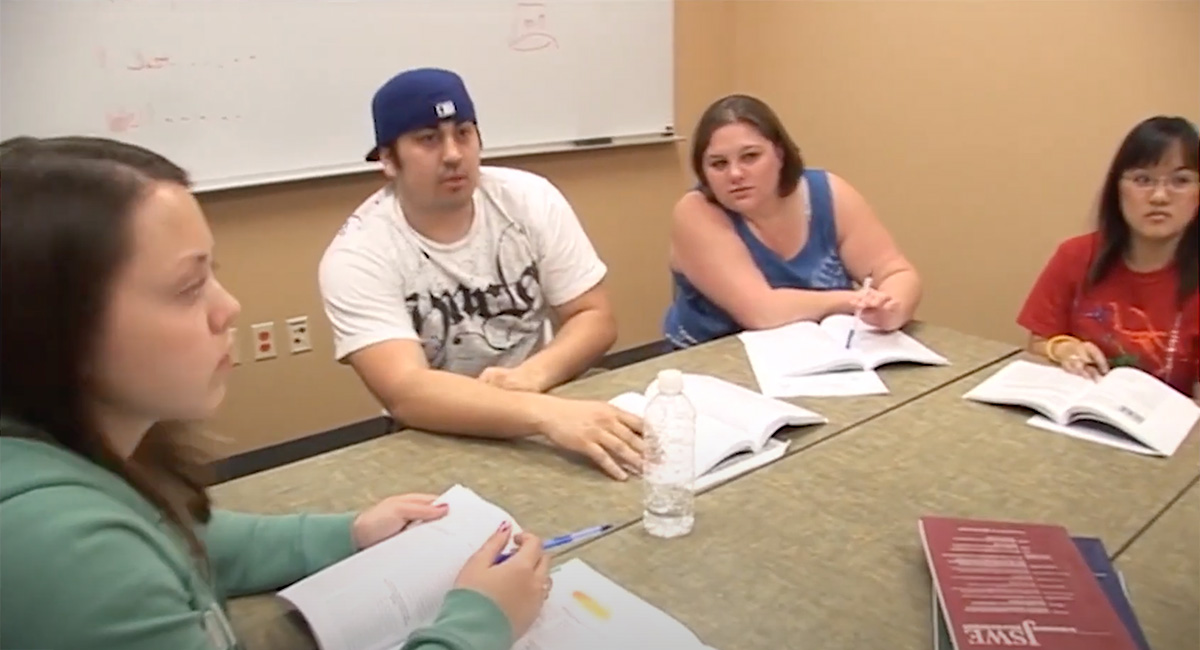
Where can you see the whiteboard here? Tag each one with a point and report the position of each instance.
(246, 92)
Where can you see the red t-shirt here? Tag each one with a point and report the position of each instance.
(1130, 316)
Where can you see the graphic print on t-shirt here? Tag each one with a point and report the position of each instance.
(483, 300)
(492, 312)
(1130, 338)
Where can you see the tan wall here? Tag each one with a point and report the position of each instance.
(979, 162)
(980, 130)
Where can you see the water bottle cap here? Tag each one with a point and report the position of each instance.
(670, 382)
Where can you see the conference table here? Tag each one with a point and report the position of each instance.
(544, 489)
(821, 550)
(805, 546)
(1162, 574)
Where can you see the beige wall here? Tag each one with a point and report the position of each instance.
(980, 130)
(979, 162)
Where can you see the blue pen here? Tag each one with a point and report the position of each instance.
(563, 540)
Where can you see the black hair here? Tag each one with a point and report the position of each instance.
(1144, 146)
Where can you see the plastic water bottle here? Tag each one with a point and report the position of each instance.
(668, 506)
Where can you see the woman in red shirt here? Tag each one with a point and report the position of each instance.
(1126, 294)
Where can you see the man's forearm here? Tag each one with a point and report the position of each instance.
(444, 402)
(577, 346)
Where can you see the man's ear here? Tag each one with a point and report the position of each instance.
(390, 160)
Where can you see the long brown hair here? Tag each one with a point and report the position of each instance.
(64, 235)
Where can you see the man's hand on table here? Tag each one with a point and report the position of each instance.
(612, 438)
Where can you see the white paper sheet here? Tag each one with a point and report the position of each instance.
(587, 611)
(830, 384)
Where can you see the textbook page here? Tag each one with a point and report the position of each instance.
(800, 348)
(587, 611)
(376, 598)
(715, 440)
(877, 348)
(740, 408)
(1050, 390)
(1146, 408)
(1135, 411)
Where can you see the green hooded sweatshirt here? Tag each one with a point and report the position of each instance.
(87, 563)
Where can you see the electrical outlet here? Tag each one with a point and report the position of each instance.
(264, 341)
(297, 327)
(235, 350)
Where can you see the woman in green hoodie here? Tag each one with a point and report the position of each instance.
(115, 335)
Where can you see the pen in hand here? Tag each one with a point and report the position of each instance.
(563, 540)
(858, 313)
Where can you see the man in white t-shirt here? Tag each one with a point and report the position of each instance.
(442, 285)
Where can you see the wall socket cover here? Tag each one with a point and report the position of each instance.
(298, 334)
(264, 341)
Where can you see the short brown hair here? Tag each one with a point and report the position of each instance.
(746, 109)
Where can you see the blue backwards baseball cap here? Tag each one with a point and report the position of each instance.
(418, 99)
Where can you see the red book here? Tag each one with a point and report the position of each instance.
(1014, 585)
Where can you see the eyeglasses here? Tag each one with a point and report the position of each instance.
(1177, 183)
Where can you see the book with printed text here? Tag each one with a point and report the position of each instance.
(1008, 584)
(809, 348)
(1126, 408)
(735, 426)
(1110, 580)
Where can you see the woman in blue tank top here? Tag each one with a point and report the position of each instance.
(762, 242)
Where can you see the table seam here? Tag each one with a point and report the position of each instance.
(871, 418)
(1158, 515)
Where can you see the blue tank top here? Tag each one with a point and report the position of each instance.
(692, 318)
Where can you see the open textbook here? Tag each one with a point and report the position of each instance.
(1127, 408)
(806, 348)
(735, 426)
(377, 598)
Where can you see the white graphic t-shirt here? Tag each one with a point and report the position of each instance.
(482, 301)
